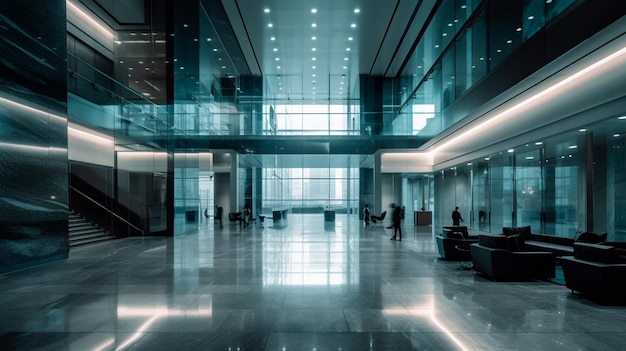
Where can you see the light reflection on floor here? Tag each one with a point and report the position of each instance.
(299, 285)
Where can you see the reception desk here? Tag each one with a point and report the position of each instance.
(423, 217)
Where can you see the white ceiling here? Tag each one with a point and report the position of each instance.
(317, 49)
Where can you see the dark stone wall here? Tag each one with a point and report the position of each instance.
(33, 133)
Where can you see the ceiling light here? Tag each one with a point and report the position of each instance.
(357, 10)
(582, 130)
(622, 117)
(345, 67)
(272, 38)
(313, 49)
(266, 10)
(277, 67)
(615, 135)
(313, 10)
(314, 25)
(350, 38)
(269, 25)
(531, 17)
(313, 38)
(572, 147)
(539, 143)
(510, 150)
(277, 59)
(518, 29)
(313, 59)
(353, 25)
(313, 75)
(345, 59)
(275, 49)
(313, 67)
(347, 49)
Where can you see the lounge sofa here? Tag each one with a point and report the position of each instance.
(502, 257)
(597, 270)
(560, 246)
(453, 243)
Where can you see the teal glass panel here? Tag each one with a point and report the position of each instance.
(529, 189)
(501, 182)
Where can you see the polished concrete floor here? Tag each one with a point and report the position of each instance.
(303, 286)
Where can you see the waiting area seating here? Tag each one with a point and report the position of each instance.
(378, 218)
(453, 243)
(501, 257)
(597, 270)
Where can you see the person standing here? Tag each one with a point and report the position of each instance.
(218, 215)
(397, 218)
(246, 217)
(456, 217)
(366, 215)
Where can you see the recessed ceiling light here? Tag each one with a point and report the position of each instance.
(313, 59)
(275, 49)
(531, 17)
(313, 25)
(357, 10)
(350, 38)
(313, 49)
(266, 10)
(214, 50)
(277, 59)
(345, 59)
(313, 67)
(277, 67)
(539, 143)
(313, 82)
(272, 38)
(572, 147)
(582, 130)
(270, 25)
(347, 49)
(313, 75)
(615, 135)
(353, 25)
(313, 10)
(313, 38)
(345, 67)
(510, 150)
(622, 117)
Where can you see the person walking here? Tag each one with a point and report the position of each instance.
(456, 217)
(397, 218)
(366, 215)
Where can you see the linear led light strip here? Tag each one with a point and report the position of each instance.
(540, 94)
(80, 13)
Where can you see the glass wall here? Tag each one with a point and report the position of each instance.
(465, 41)
(561, 185)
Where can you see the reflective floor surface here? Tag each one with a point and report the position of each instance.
(305, 285)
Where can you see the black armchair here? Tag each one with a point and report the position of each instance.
(598, 271)
(453, 246)
(500, 258)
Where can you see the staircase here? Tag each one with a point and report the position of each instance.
(83, 232)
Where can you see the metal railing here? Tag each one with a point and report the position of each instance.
(107, 210)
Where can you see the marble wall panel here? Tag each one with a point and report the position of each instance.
(33, 134)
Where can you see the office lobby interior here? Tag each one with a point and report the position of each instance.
(137, 135)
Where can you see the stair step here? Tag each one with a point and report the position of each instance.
(82, 231)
